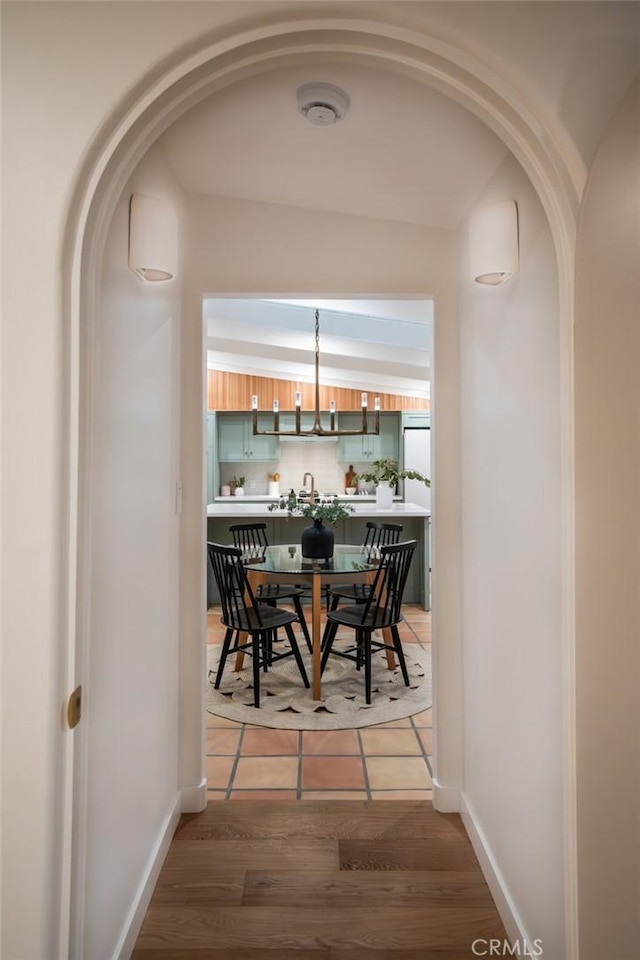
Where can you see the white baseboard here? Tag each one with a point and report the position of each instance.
(194, 799)
(446, 799)
(133, 923)
(495, 881)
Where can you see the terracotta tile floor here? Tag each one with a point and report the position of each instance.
(391, 761)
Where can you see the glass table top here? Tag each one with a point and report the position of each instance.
(287, 558)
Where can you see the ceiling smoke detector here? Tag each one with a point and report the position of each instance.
(322, 103)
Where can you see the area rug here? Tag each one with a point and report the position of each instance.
(285, 703)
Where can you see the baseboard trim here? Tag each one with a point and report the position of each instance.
(446, 799)
(496, 882)
(194, 799)
(136, 915)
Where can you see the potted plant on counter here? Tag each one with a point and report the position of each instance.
(318, 539)
(386, 474)
(237, 486)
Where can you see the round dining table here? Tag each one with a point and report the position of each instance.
(350, 563)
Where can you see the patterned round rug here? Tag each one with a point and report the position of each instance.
(285, 703)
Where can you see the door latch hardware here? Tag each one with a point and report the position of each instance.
(74, 708)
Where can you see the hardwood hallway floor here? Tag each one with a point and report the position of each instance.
(324, 880)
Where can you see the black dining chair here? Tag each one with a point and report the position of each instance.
(252, 540)
(377, 535)
(381, 610)
(241, 613)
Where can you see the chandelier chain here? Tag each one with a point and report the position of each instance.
(317, 428)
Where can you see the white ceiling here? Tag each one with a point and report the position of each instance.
(381, 346)
(249, 141)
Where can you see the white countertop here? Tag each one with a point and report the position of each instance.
(237, 507)
(267, 498)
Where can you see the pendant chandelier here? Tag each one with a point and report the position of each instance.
(368, 428)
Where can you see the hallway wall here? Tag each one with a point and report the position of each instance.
(130, 726)
(511, 534)
(607, 359)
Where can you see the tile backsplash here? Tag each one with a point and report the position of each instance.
(296, 459)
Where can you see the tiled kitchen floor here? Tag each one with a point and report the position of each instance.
(391, 761)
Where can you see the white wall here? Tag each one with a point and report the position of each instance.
(607, 412)
(239, 246)
(131, 682)
(510, 374)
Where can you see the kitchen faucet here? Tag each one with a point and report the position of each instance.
(311, 489)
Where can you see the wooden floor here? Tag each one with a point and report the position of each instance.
(342, 880)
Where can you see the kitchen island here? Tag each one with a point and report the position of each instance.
(283, 528)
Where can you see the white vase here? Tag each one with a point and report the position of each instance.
(384, 495)
(239, 492)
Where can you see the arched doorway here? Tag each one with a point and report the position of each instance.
(137, 127)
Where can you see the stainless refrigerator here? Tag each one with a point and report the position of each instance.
(417, 456)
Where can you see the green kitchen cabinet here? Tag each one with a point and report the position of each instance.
(364, 449)
(236, 441)
(212, 480)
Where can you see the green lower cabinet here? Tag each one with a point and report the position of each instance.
(413, 528)
(289, 529)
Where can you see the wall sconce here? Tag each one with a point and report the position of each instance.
(153, 238)
(493, 243)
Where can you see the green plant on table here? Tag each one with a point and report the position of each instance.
(327, 512)
(237, 482)
(387, 469)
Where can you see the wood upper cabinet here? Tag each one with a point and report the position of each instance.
(364, 449)
(236, 441)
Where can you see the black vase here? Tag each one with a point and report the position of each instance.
(317, 541)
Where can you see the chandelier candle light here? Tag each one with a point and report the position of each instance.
(317, 430)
